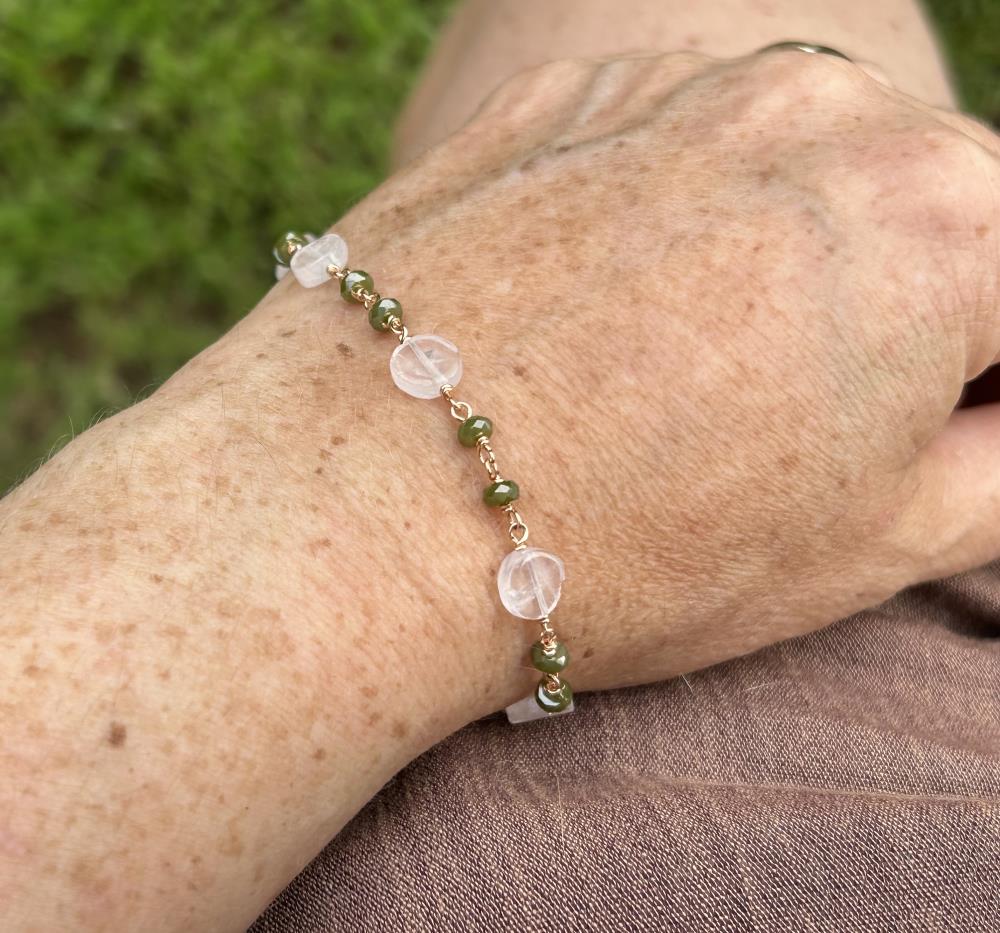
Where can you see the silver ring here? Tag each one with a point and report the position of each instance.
(804, 47)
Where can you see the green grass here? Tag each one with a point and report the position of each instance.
(150, 151)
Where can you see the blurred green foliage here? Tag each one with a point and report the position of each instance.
(150, 152)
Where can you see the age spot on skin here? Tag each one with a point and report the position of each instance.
(399, 729)
(288, 333)
(232, 845)
(345, 350)
(337, 440)
(117, 733)
(789, 462)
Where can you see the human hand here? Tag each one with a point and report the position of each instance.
(730, 308)
(721, 314)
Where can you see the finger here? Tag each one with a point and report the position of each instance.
(626, 91)
(957, 498)
(970, 126)
(522, 114)
(875, 72)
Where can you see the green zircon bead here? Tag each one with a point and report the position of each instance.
(286, 246)
(382, 310)
(553, 702)
(551, 661)
(353, 280)
(500, 493)
(470, 430)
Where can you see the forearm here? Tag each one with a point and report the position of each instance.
(226, 623)
(234, 611)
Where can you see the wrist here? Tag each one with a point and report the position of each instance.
(352, 505)
(223, 619)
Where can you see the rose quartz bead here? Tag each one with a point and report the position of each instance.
(311, 263)
(421, 365)
(530, 582)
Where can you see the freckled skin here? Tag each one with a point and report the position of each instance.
(692, 377)
(399, 728)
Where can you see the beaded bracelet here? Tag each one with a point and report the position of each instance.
(427, 366)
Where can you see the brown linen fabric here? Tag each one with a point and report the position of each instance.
(844, 781)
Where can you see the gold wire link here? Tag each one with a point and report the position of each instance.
(488, 458)
(517, 527)
(368, 299)
(397, 327)
(460, 411)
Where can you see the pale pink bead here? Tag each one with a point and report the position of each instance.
(530, 582)
(421, 365)
(311, 263)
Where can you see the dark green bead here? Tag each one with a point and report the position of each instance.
(470, 430)
(500, 493)
(382, 310)
(286, 246)
(553, 702)
(355, 279)
(549, 662)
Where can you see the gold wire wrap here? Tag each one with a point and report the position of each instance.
(517, 527)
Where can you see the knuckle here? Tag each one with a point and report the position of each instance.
(944, 149)
(937, 177)
(792, 78)
(773, 92)
(685, 60)
(522, 94)
(554, 75)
